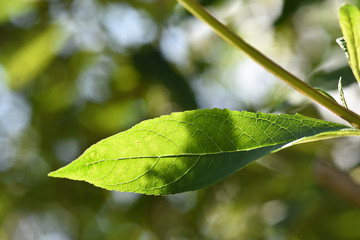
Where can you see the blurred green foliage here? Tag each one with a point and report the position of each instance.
(75, 72)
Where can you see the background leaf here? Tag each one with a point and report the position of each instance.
(190, 150)
(166, 75)
(23, 68)
(328, 78)
(350, 26)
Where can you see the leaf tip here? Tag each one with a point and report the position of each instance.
(53, 174)
(345, 7)
(60, 173)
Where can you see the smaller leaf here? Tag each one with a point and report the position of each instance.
(341, 92)
(342, 43)
(350, 25)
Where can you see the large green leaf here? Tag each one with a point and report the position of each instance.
(350, 25)
(193, 149)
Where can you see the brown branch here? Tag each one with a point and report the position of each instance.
(337, 181)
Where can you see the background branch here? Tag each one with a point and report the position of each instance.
(338, 182)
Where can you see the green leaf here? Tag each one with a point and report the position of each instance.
(350, 26)
(193, 149)
(341, 93)
(342, 43)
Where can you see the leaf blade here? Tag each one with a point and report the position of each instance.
(193, 149)
(349, 17)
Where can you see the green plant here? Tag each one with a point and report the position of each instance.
(193, 149)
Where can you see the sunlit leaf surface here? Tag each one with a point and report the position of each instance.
(350, 26)
(190, 150)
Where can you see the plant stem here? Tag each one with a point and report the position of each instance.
(304, 88)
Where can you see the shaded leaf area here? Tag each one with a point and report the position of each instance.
(190, 150)
(350, 26)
